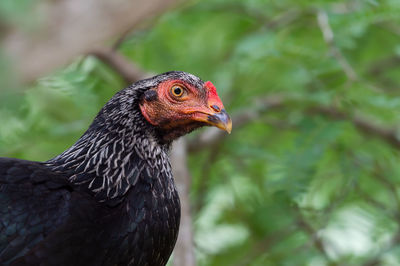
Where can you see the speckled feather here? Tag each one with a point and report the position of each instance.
(110, 199)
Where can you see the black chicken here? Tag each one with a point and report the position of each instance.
(110, 199)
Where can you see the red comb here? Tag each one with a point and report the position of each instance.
(211, 87)
(212, 92)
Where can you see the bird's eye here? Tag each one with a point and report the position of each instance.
(177, 90)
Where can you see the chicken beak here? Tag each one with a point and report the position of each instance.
(212, 114)
(221, 120)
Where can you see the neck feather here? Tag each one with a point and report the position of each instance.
(117, 150)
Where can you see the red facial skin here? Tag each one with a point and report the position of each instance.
(189, 111)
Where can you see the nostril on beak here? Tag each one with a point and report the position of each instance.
(216, 108)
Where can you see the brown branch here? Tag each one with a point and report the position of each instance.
(121, 39)
(120, 64)
(183, 253)
(124, 36)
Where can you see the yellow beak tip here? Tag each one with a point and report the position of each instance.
(229, 128)
(225, 126)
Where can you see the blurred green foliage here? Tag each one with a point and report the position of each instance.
(292, 186)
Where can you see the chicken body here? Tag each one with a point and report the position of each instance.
(110, 199)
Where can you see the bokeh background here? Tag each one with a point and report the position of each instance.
(311, 172)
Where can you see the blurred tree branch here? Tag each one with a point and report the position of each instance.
(184, 249)
(72, 27)
(329, 37)
(125, 68)
(362, 124)
(393, 27)
(379, 174)
(382, 66)
(262, 246)
(313, 234)
(280, 20)
(379, 67)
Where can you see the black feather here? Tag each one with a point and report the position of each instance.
(110, 199)
(150, 95)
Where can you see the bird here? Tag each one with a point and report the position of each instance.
(109, 199)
